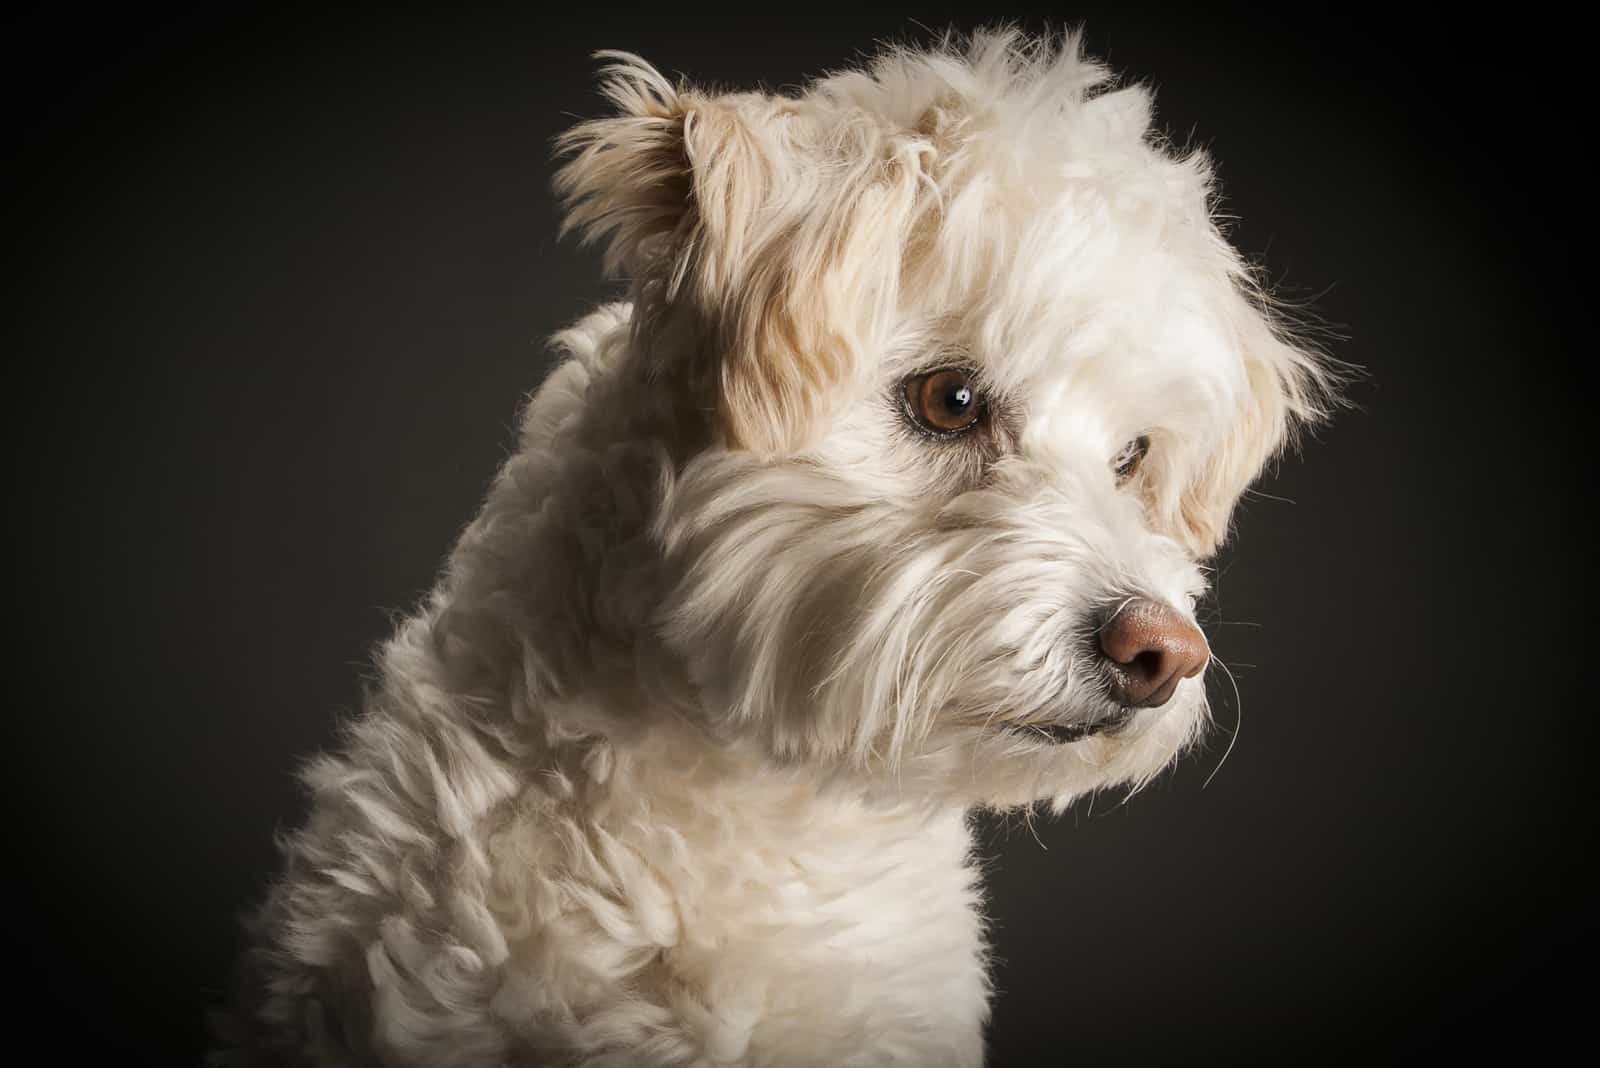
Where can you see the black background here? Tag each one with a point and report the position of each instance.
(279, 281)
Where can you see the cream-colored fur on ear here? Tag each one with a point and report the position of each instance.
(628, 181)
(792, 342)
(1287, 387)
(782, 239)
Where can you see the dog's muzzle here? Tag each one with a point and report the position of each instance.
(1144, 650)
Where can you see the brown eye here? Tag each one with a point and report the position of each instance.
(944, 403)
(1127, 461)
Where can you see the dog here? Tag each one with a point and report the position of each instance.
(883, 497)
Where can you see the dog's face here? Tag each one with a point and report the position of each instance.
(983, 383)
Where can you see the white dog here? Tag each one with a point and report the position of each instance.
(882, 498)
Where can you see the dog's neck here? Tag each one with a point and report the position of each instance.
(724, 865)
(688, 780)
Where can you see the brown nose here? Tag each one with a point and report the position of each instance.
(1149, 649)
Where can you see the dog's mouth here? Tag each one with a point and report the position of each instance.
(1065, 733)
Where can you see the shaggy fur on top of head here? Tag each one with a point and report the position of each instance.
(673, 766)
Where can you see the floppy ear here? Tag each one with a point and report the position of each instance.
(1285, 388)
(719, 201)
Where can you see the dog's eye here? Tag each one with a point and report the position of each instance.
(1127, 461)
(944, 403)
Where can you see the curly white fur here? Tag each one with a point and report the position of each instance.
(673, 767)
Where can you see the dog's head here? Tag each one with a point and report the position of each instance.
(981, 383)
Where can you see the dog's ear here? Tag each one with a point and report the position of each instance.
(672, 167)
(1285, 387)
(779, 237)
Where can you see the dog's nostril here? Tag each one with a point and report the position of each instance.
(1147, 664)
(1149, 649)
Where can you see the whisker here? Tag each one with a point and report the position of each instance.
(1238, 721)
(1127, 796)
(1027, 821)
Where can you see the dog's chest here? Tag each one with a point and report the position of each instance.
(771, 929)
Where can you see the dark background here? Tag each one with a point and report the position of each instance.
(278, 282)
